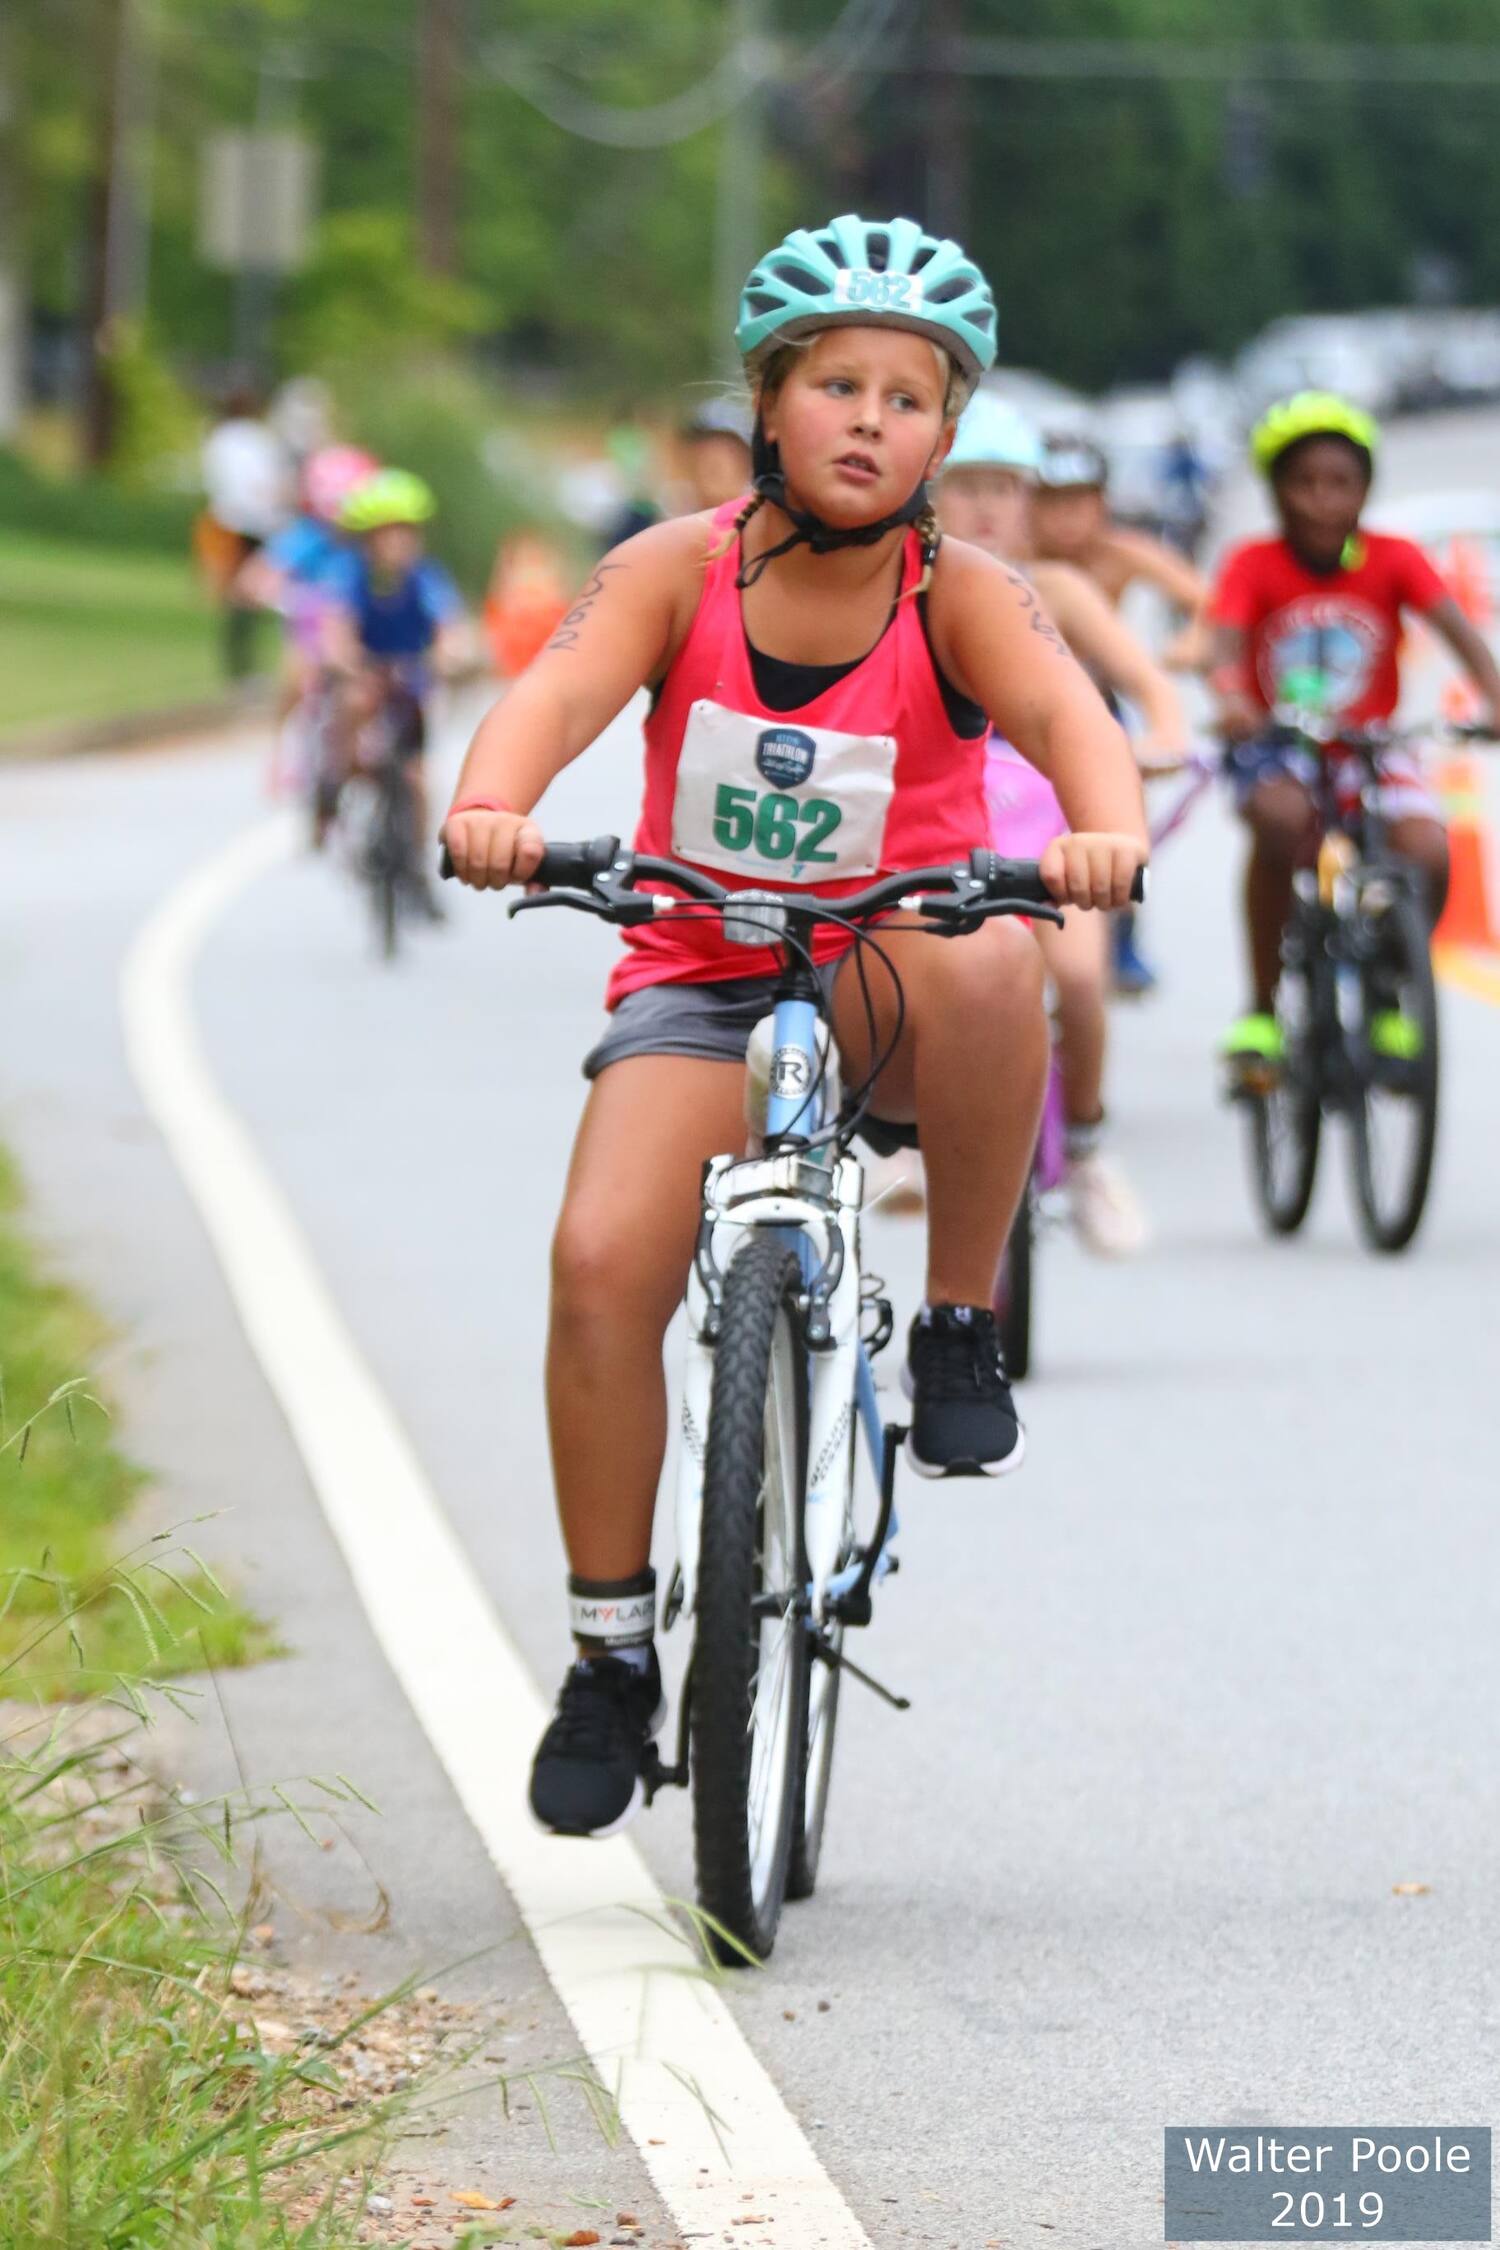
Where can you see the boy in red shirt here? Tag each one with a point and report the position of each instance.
(1321, 605)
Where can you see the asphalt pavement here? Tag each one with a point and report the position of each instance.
(1190, 1696)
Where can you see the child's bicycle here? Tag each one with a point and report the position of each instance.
(1015, 1280)
(783, 1324)
(1356, 1005)
(376, 808)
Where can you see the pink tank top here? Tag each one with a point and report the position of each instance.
(867, 778)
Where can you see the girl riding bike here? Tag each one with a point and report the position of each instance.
(818, 638)
(986, 496)
(1315, 615)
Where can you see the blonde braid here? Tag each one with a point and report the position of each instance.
(754, 502)
(930, 532)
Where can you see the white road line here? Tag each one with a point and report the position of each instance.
(653, 2032)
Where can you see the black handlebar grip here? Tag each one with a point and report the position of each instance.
(1020, 879)
(572, 867)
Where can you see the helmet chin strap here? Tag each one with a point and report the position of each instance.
(811, 530)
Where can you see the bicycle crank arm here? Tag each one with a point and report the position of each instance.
(654, 1772)
(855, 1607)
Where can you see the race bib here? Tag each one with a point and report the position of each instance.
(781, 803)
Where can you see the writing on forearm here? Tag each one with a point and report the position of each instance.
(571, 626)
(1040, 621)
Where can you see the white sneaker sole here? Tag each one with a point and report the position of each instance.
(935, 1471)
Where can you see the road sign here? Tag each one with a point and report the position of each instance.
(256, 200)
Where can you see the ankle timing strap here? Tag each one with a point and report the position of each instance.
(613, 1612)
(810, 529)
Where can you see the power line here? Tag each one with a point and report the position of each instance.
(1325, 62)
(745, 69)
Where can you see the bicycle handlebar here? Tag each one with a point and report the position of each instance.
(599, 877)
(1288, 724)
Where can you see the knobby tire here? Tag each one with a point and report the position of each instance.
(760, 1339)
(1390, 1227)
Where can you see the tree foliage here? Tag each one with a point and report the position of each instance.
(1124, 221)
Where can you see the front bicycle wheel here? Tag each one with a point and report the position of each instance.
(390, 855)
(1393, 1122)
(1285, 1114)
(750, 1650)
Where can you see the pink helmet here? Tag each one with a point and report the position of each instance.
(331, 474)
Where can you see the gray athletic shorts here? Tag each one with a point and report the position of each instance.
(713, 1022)
(710, 1021)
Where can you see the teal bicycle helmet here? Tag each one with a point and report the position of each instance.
(870, 272)
(993, 434)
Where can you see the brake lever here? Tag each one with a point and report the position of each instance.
(580, 901)
(623, 906)
(1033, 913)
(958, 916)
(626, 909)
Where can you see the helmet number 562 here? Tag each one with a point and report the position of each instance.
(859, 285)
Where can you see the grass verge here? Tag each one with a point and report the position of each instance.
(141, 2112)
(153, 2098)
(91, 631)
(65, 1490)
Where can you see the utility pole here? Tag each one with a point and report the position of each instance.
(437, 136)
(742, 138)
(128, 244)
(946, 121)
(111, 25)
(12, 300)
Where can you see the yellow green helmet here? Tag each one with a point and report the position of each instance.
(1311, 414)
(390, 496)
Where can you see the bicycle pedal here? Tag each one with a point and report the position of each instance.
(656, 1774)
(1253, 1082)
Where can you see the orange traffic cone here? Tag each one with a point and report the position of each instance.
(1467, 918)
(526, 602)
(1469, 583)
(1469, 580)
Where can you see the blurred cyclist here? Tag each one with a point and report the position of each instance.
(1071, 523)
(1187, 489)
(1315, 613)
(294, 570)
(715, 446)
(395, 620)
(985, 497)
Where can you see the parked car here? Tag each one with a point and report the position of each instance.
(1466, 355)
(1048, 404)
(1324, 352)
(1136, 426)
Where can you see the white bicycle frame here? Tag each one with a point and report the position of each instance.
(813, 1199)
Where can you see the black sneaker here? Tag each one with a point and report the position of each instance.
(586, 1775)
(963, 1422)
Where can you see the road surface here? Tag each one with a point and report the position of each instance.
(1189, 1697)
